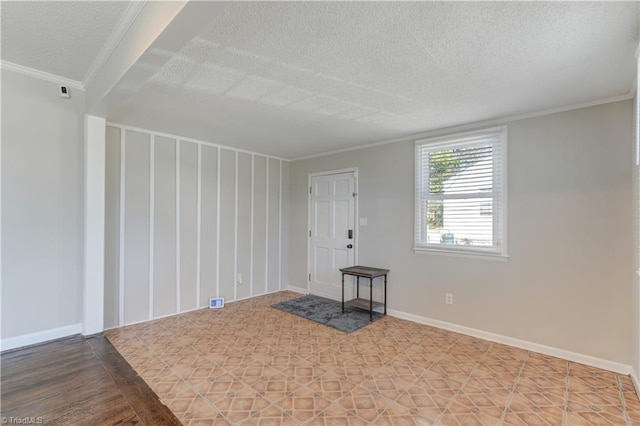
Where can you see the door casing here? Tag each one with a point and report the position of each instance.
(356, 231)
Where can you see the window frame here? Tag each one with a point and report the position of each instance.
(499, 228)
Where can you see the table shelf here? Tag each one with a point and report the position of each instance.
(361, 303)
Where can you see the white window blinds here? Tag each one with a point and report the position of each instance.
(460, 192)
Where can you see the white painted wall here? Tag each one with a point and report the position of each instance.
(94, 220)
(42, 210)
(566, 284)
(195, 216)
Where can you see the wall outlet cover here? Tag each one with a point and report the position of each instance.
(216, 302)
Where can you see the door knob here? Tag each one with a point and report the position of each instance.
(350, 246)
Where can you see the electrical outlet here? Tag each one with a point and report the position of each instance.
(239, 278)
(448, 298)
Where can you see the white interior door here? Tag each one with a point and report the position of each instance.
(332, 234)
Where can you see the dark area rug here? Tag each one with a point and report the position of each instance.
(328, 312)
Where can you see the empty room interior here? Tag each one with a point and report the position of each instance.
(316, 213)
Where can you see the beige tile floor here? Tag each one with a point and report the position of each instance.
(251, 364)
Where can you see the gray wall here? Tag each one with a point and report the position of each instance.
(162, 263)
(42, 206)
(567, 283)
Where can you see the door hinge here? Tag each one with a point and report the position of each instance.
(309, 277)
(309, 190)
(309, 232)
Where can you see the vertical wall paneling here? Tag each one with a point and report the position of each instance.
(178, 236)
(209, 218)
(244, 225)
(284, 229)
(251, 225)
(219, 174)
(227, 218)
(189, 221)
(123, 171)
(266, 230)
(280, 225)
(259, 224)
(199, 228)
(165, 241)
(112, 229)
(188, 225)
(136, 224)
(152, 233)
(235, 230)
(273, 277)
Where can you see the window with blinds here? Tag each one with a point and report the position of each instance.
(460, 190)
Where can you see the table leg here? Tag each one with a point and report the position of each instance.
(343, 293)
(357, 287)
(385, 294)
(370, 299)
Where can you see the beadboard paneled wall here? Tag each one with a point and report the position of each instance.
(187, 221)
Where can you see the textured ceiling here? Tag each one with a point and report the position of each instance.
(297, 78)
(58, 37)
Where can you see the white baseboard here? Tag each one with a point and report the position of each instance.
(605, 364)
(39, 337)
(226, 302)
(636, 380)
(298, 289)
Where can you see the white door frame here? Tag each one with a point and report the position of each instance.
(356, 230)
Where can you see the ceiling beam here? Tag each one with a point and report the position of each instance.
(159, 31)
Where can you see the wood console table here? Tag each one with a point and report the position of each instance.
(366, 272)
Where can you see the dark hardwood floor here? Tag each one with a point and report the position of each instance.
(76, 381)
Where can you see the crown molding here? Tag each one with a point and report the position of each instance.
(128, 18)
(474, 125)
(130, 14)
(41, 75)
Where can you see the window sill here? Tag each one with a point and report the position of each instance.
(462, 253)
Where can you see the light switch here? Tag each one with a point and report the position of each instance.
(363, 221)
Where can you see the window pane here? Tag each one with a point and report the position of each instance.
(466, 221)
(459, 192)
(461, 170)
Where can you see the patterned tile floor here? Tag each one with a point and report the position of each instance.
(251, 364)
